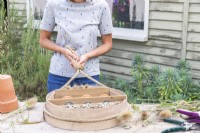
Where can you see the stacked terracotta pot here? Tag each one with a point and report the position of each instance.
(8, 99)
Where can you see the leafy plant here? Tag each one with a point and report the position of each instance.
(9, 40)
(22, 57)
(186, 81)
(193, 93)
(183, 65)
(139, 74)
(152, 86)
(32, 66)
(169, 84)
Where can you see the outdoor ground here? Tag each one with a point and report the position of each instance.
(36, 114)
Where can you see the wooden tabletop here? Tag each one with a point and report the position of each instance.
(36, 114)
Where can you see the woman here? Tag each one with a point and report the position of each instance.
(77, 22)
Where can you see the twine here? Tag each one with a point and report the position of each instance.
(79, 69)
(83, 120)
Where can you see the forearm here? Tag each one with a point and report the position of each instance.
(102, 49)
(48, 44)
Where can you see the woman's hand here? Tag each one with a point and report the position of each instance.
(79, 62)
(69, 54)
(83, 59)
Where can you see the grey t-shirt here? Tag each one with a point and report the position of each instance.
(77, 25)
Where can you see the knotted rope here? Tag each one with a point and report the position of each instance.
(79, 69)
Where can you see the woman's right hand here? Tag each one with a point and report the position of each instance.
(69, 55)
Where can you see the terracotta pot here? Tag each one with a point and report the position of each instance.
(8, 99)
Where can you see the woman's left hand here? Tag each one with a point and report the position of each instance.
(83, 59)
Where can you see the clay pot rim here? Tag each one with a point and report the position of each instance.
(4, 76)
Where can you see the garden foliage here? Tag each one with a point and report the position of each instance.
(22, 57)
(155, 85)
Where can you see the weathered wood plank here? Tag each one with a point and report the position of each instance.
(117, 57)
(18, 13)
(147, 49)
(165, 35)
(193, 37)
(17, 1)
(122, 54)
(169, 16)
(116, 61)
(165, 25)
(194, 64)
(194, 8)
(194, 17)
(195, 74)
(115, 68)
(18, 6)
(185, 29)
(193, 47)
(114, 75)
(191, 55)
(167, 7)
(195, 1)
(172, 1)
(163, 44)
(126, 70)
(152, 43)
(194, 27)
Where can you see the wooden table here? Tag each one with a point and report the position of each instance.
(36, 114)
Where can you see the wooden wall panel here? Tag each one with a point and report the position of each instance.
(166, 16)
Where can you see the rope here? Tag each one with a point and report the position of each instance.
(79, 69)
(73, 77)
(83, 120)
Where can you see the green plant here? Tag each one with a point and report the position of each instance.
(2, 14)
(169, 84)
(23, 58)
(193, 93)
(9, 40)
(32, 66)
(139, 75)
(152, 86)
(186, 81)
(183, 65)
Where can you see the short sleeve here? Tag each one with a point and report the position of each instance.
(48, 20)
(105, 26)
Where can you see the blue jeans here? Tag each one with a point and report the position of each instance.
(55, 82)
